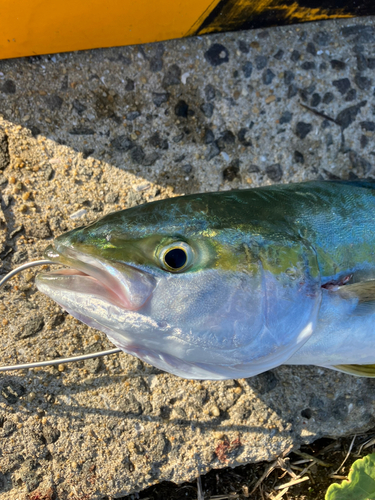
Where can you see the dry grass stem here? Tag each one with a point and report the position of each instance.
(317, 460)
(285, 466)
(280, 495)
(291, 483)
(294, 467)
(268, 471)
(369, 443)
(306, 469)
(347, 455)
(224, 497)
(305, 461)
(199, 488)
(265, 474)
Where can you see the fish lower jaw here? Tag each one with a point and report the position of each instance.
(59, 283)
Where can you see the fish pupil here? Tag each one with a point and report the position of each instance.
(175, 258)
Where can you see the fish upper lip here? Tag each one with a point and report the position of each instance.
(126, 286)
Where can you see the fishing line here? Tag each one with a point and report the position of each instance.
(10, 275)
(51, 362)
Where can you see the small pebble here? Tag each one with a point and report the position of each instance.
(80, 213)
(310, 48)
(268, 76)
(279, 55)
(308, 65)
(292, 91)
(303, 129)
(322, 38)
(217, 54)
(261, 62)
(270, 99)
(225, 156)
(160, 98)
(173, 75)
(28, 276)
(31, 396)
(351, 95)
(274, 172)
(181, 109)
(207, 109)
(288, 77)
(342, 85)
(210, 92)
(368, 125)
(337, 65)
(296, 56)
(298, 157)
(8, 87)
(348, 115)
(215, 411)
(328, 97)
(363, 82)
(285, 117)
(247, 69)
(364, 141)
(315, 100)
(243, 46)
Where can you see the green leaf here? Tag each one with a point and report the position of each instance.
(360, 484)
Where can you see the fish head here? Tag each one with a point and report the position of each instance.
(179, 285)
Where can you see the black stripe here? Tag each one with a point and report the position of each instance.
(228, 15)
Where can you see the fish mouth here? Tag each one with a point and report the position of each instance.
(117, 282)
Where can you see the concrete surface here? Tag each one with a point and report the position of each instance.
(82, 134)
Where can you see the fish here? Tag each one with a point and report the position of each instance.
(230, 284)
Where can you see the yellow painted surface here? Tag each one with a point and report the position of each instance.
(30, 27)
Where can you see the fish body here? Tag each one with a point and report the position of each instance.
(229, 284)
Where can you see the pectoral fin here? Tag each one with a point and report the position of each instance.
(358, 370)
(363, 296)
(364, 292)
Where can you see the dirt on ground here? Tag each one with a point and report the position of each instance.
(303, 474)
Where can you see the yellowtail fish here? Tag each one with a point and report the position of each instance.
(230, 284)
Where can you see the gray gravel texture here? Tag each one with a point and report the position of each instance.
(83, 134)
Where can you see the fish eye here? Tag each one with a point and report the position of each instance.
(176, 256)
